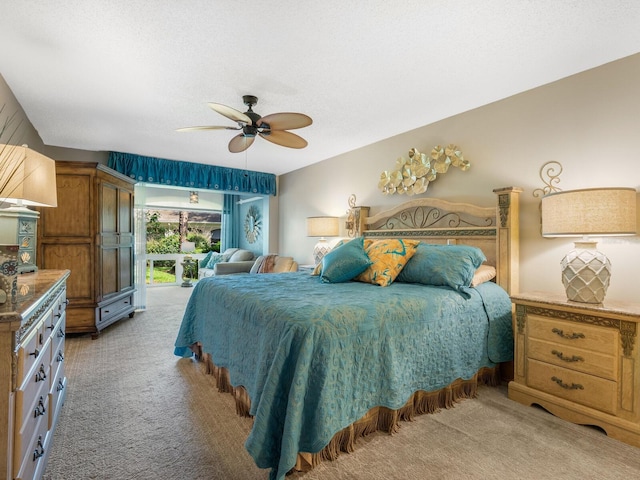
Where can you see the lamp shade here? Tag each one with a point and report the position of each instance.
(27, 177)
(593, 211)
(322, 226)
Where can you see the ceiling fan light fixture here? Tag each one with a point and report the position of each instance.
(252, 125)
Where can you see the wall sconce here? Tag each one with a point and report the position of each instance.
(586, 272)
(322, 227)
(27, 178)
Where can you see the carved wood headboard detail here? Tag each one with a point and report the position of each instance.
(495, 230)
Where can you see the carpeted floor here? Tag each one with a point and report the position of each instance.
(136, 412)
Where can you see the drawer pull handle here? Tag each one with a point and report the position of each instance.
(51, 327)
(58, 315)
(39, 410)
(35, 353)
(573, 336)
(41, 374)
(39, 451)
(573, 386)
(59, 357)
(60, 333)
(573, 358)
(60, 385)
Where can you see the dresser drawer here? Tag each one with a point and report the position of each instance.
(586, 361)
(577, 387)
(57, 337)
(56, 394)
(32, 465)
(35, 426)
(31, 352)
(588, 337)
(37, 385)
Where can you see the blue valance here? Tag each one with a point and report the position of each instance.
(196, 175)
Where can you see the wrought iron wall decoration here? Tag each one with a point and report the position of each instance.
(412, 175)
(550, 176)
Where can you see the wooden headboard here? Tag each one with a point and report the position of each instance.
(495, 230)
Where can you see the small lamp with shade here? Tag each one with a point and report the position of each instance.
(586, 272)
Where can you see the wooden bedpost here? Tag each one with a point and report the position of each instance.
(508, 238)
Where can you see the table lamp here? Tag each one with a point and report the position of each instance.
(27, 178)
(322, 227)
(586, 272)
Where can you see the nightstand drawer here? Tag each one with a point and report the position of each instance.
(579, 359)
(597, 339)
(577, 387)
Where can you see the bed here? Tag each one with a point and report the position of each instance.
(319, 364)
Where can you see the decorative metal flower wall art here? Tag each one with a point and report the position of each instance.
(412, 175)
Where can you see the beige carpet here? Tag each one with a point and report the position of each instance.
(136, 412)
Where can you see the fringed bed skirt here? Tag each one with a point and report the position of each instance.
(377, 419)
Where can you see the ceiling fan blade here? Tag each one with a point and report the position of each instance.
(207, 127)
(240, 143)
(286, 121)
(230, 113)
(284, 138)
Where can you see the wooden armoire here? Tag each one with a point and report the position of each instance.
(90, 233)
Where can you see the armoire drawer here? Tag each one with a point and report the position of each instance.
(115, 309)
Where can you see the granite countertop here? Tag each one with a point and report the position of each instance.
(31, 288)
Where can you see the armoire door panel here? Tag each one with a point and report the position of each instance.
(109, 212)
(126, 267)
(77, 259)
(109, 273)
(72, 217)
(125, 210)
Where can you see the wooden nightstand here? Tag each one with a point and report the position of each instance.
(579, 361)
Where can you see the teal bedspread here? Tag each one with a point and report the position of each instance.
(314, 357)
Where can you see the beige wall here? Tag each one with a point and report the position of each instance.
(19, 131)
(27, 134)
(588, 122)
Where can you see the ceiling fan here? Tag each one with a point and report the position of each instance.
(271, 127)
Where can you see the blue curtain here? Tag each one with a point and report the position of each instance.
(230, 229)
(187, 174)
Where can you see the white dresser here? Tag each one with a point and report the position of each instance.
(32, 379)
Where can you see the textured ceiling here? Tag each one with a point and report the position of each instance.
(123, 75)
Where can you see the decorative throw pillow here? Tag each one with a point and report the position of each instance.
(388, 258)
(345, 262)
(217, 258)
(483, 273)
(203, 263)
(318, 268)
(443, 265)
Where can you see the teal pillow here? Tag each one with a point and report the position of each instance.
(443, 265)
(217, 258)
(203, 263)
(345, 262)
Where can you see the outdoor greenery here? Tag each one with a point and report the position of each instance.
(164, 238)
